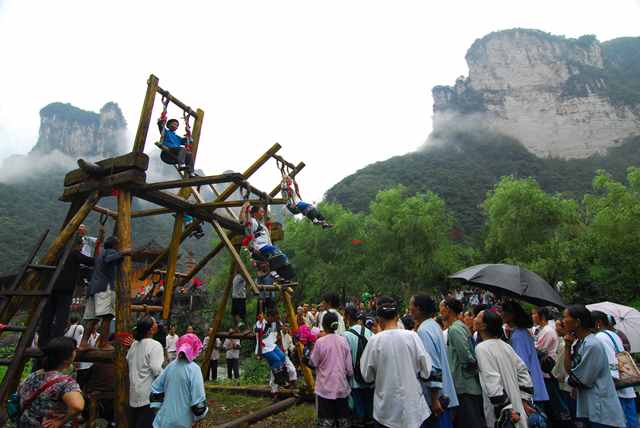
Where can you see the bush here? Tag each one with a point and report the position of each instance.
(254, 371)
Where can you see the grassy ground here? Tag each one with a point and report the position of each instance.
(224, 407)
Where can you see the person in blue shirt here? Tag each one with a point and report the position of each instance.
(439, 389)
(177, 145)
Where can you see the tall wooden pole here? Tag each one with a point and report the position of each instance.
(174, 249)
(217, 319)
(123, 314)
(145, 115)
(195, 135)
(293, 322)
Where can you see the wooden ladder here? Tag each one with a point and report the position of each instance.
(35, 300)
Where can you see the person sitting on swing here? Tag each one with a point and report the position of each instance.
(176, 145)
(290, 191)
(260, 241)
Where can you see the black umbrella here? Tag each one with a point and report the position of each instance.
(513, 281)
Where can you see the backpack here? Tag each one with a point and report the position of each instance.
(362, 343)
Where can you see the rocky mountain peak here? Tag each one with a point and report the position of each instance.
(79, 133)
(560, 97)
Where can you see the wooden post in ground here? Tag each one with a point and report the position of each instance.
(293, 322)
(145, 115)
(123, 314)
(174, 249)
(217, 319)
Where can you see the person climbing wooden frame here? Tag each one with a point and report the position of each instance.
(291, 193)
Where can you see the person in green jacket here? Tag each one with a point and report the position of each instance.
(464, 367)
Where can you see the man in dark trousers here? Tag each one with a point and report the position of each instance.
(56, 312)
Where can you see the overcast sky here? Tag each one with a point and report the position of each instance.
(340, 84)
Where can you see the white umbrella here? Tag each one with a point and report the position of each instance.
(627, 320)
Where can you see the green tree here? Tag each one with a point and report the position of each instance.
(526, 226)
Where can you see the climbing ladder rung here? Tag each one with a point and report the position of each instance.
(27, 293)
(42, 267)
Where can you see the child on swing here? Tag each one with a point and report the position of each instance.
(177, 145)
(290, 191)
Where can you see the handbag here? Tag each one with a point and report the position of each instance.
(629, 372)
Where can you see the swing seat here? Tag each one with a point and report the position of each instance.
(165, 155)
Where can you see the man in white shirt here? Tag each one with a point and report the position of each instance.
(170, 341)
(394, 359)
(232, 346)
(88, 242)
(215, 356)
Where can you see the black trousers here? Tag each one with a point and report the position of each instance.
(54, 317)
(213, 370)
(233, 368)
(184, 157)
(142, 417)
(470, 412)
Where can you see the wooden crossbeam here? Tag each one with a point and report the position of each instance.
(283, 160)
(113, 165)
(230, 204)
(177, 102)
(151, 212)
(104, 185)
(194, 181)
(105, 211)
(295, 172)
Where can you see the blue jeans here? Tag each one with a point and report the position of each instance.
(630, 411)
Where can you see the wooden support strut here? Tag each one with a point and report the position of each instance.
(293, 322)
(123, 315)
(217, 319)
(174, 248)
(145, 115)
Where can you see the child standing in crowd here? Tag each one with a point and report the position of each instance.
(331, 356)
(232, 346)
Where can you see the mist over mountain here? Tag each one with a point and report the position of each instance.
(534, 105)
(31, 184)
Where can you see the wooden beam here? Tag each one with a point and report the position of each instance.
(293, 323)
(198, 267)
(175, 202)
(151, 211)
(284, 161)
(249, 171)
(123, 306)
(193, 181)
(195, 134)
(295, 172)
(174, 249)
(217, 319)
(105, 211)
(91, 356)
(145, 115)
(176, 101)
(146, 308)
(235, 256)
(114, 165)
(106, 184)
(229, 204)
(164, 272)
(230, 213)
(258, 415)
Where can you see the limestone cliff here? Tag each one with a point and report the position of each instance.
(560, 97)
(79, 133)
